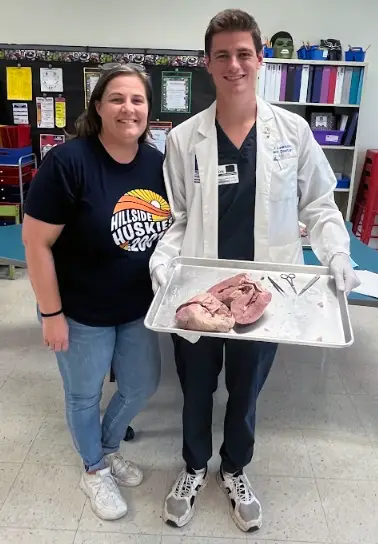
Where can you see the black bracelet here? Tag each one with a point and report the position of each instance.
(53, 314)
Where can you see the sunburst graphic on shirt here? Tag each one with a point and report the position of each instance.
(139, 219)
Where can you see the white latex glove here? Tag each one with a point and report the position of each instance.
(342, 270)
(159, 277)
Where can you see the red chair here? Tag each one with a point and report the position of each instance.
(366, 206)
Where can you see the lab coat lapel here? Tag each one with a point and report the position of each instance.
(206, 150)
(266, 141)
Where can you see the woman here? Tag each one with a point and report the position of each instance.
(95, 211)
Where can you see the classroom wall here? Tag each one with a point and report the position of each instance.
(161, 24)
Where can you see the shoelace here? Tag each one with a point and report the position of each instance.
(184, 485)
(107, 487)
(243, 490)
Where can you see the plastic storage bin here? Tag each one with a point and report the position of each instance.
(15, 136)
(268, 52)
(303, 53)
(356, 54)
(328, 137)
(315, 53)
(343, 182)
(11, 156)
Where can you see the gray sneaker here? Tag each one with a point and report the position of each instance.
(245, 507)
(179, 504)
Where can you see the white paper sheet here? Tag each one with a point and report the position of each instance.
(51, 80)
(369, 283)
(45, 112)
(159, 137)
(176, 94)
(20, 113)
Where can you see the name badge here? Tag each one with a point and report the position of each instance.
(282, 152)
(196, 177)
(228, 174)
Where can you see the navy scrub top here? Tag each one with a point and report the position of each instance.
(237, 200)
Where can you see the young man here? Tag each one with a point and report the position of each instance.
(276, 174)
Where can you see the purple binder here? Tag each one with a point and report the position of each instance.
(325, 85)
(283, 82)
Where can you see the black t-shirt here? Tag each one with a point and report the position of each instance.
(236, 200)
(114, 214)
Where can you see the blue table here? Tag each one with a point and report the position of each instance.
(11, 247)
(12, 252)
(364, 256)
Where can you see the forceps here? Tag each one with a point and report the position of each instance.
(276, 286)
(289, 278)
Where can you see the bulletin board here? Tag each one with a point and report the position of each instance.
(202, 92)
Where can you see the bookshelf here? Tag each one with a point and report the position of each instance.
(328, 86)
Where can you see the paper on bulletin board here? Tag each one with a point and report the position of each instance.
(159, 131)
(176, 92)
(20, 113)
(45, 112)
(19, 83)
(91, 76)
(51, 80)
(60, 112)
(48, 141)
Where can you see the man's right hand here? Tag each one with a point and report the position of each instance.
(159, 277)
(55, 332)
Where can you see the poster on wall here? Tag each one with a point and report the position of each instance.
(48, 141)
(91, 76)
(19, 83)
(45, 112)
(159, 131)
(51, 80)
(60, 112)
(176, 92)
(20, 113)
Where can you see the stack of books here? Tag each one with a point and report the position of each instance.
(304, 83)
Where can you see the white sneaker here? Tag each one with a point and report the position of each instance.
(245, 507)
(106, 499)
(125, 473)
(179, 504)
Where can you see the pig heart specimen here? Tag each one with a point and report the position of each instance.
(205, 313)
(247, 299)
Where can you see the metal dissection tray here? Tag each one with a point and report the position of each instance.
(319, 317)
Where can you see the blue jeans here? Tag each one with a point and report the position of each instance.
(133, 352)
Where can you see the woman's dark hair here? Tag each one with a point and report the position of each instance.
(89, 122)
(233, 20)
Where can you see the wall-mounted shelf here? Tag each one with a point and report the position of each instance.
(315, 62)
(339, 147)
(278, 103)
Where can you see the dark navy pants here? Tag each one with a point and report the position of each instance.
(247, 365)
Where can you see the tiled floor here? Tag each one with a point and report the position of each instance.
(315, 467)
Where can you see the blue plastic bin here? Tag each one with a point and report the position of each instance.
(356, 54)
(303, 53)
(343, 182)
(268, 52)
(315, 53)
(11, 156)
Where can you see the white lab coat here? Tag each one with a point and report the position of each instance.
(291, 167)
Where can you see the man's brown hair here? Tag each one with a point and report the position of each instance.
(231, 20)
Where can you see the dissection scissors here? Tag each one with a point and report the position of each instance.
(289, 278)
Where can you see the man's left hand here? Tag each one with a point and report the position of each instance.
(345, 277)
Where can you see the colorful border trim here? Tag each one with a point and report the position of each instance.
(100, 57)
